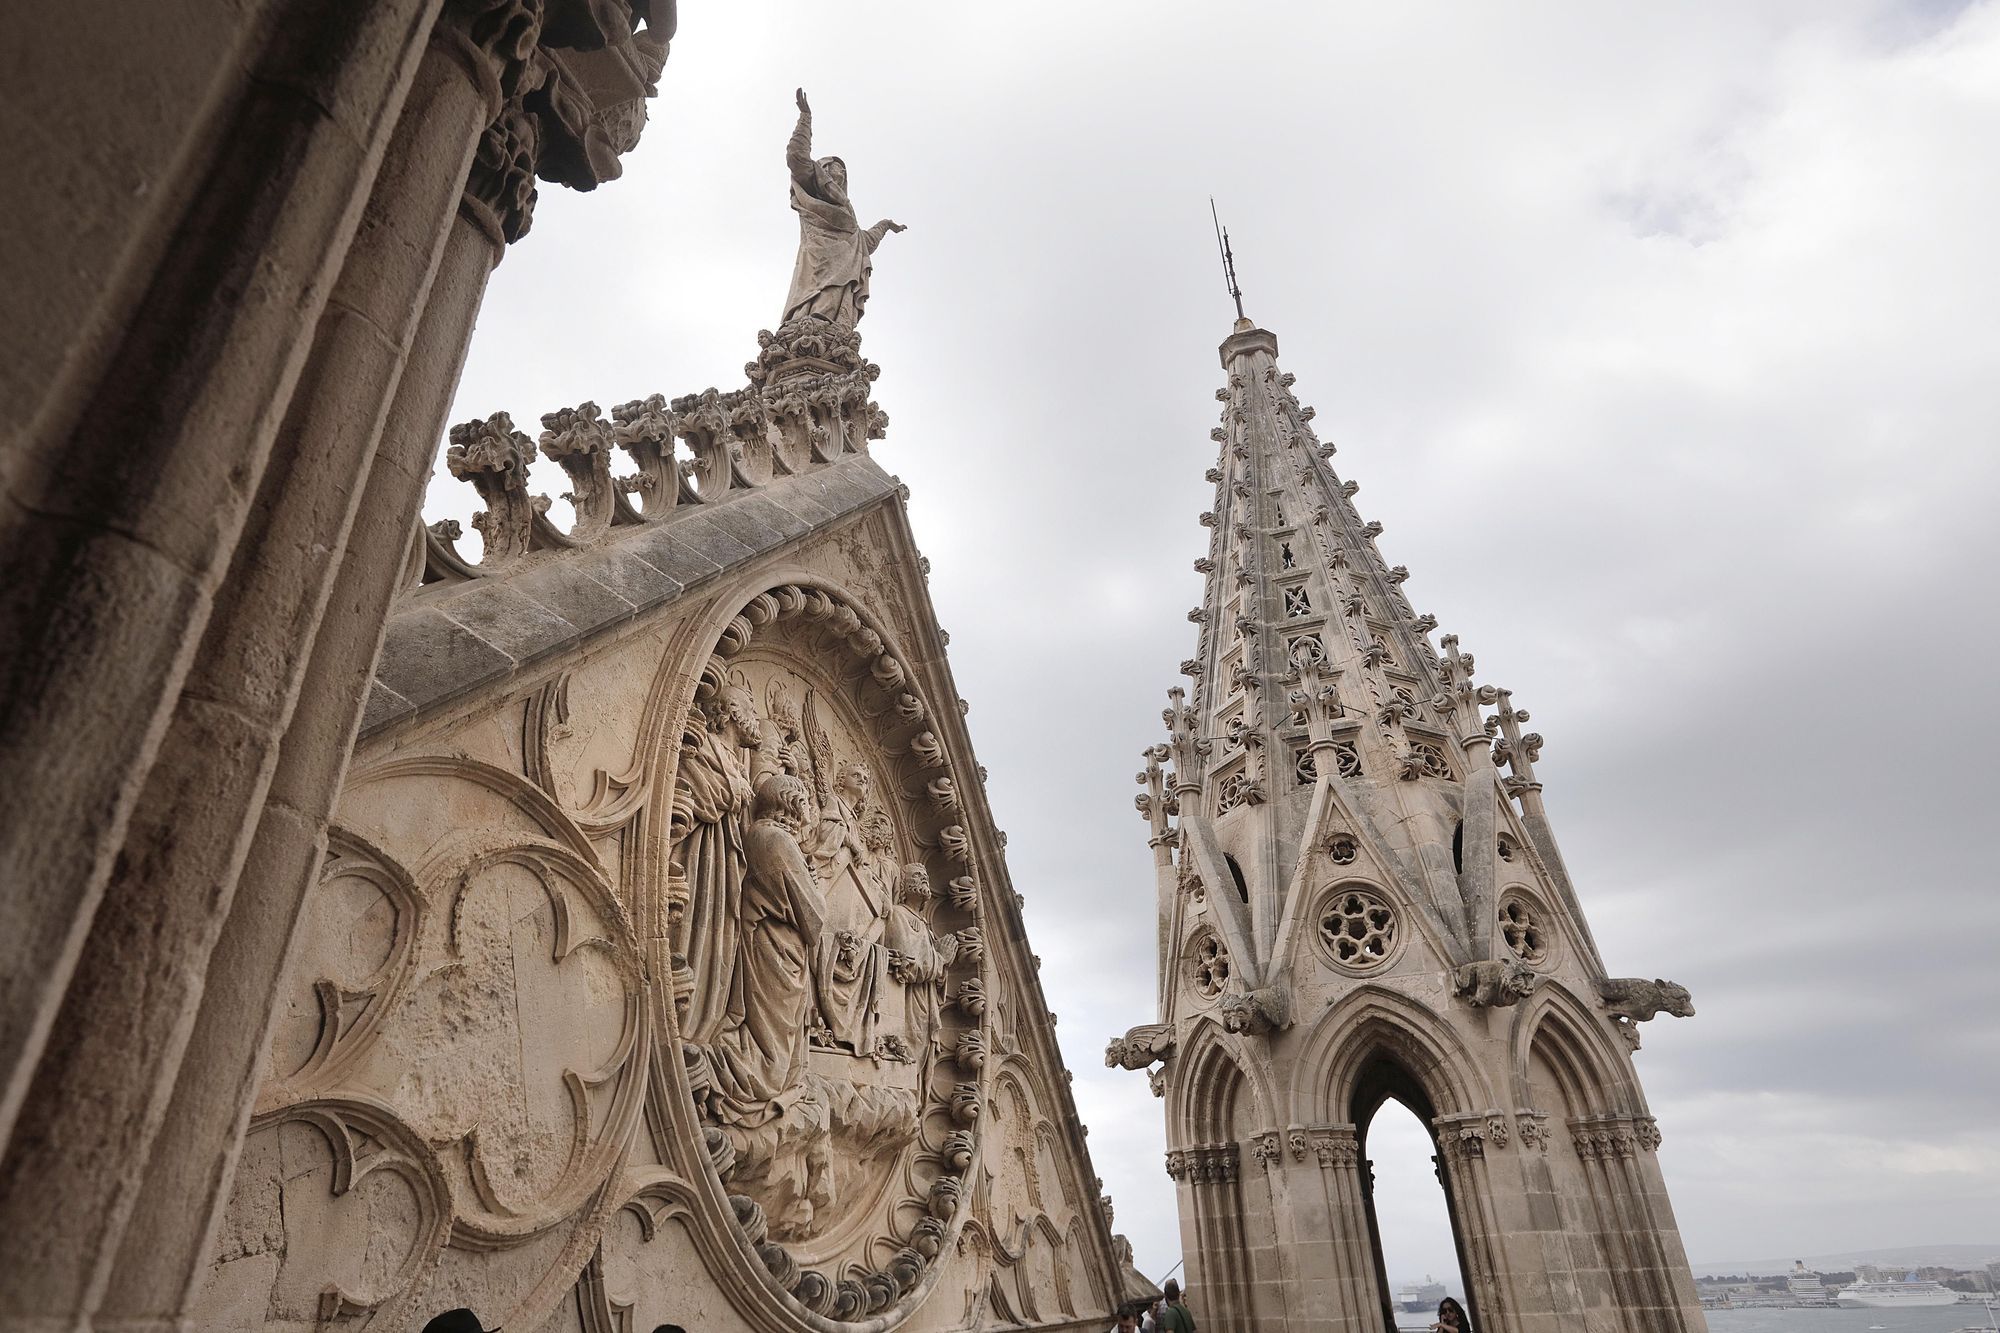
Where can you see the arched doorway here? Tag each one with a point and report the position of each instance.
(1391, 1111)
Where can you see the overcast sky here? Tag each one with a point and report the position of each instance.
(1661, 339)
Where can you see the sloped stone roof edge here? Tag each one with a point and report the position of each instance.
(443, 643)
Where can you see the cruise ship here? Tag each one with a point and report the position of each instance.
(1805, 1286)
(1415, 1299)
(1888, 1295)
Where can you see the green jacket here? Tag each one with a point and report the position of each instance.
(1174, 1318)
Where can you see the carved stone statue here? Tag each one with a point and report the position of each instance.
(719, 767)
(1495, 983)
(1268, 1009)
(758, 1060)
(830, 281)
(918, 957)
(1638, 1000)
(1140, 1047)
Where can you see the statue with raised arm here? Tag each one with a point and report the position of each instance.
(830, 281)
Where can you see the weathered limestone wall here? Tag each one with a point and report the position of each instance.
(238, 304)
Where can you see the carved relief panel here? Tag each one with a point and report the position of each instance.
(831, 949)
(686, 1025)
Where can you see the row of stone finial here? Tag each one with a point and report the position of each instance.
(807, 404)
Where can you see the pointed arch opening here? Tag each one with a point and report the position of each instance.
(1413, 1220)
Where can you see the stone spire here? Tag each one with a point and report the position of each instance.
(1311, 669)
(1361, 898)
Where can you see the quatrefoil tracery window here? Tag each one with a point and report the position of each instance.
(1431, 759)
(1208, 967)
(1232, 792)
(1358, 929)
(1347, 762)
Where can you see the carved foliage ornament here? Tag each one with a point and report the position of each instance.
(834, 1031)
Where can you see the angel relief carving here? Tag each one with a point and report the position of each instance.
(818, 978)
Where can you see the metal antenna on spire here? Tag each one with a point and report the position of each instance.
(1228, 258)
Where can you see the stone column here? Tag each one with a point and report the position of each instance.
(1297, 1252)
(110, 1067)
(1483, 1235)
(1611, 1147)
(1218, 1260)
(1596, 1143)
(116, 535)
(1354, 1303)
(164, 1258)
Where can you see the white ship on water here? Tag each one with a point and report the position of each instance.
(1415, 1299)
(1896, 1295)
(1805, 1286)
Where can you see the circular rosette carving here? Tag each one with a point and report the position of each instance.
(1524, 928)
(831, 1036)
(1208, 965)
(336, 1214)
(1357, 929)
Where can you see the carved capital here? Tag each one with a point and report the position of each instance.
(1335, 1145)
(500, 191)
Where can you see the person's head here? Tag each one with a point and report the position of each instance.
(1452, 1315)
(878, 831)
(916, 886)
(1172, 1290)
(1128, 1319)
(854, 781)
(781, 796)
(734, 707)
(832, 174)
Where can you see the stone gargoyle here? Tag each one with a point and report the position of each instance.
(1268, 1009)
(1494, 983)
(1637, 1000)
(1141, 1047)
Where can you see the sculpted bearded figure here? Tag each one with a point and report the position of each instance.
(758, 1060)
(918, 958)
(846, 855)
(830, 281)
(720, 762)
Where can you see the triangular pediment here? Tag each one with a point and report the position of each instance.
(680, 859)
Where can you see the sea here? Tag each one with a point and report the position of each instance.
(1923, 1319)
(1928, 1319)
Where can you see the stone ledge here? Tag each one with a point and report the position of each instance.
(449, 640)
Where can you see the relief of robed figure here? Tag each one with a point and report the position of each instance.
(758, 1060)
(723, 754)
